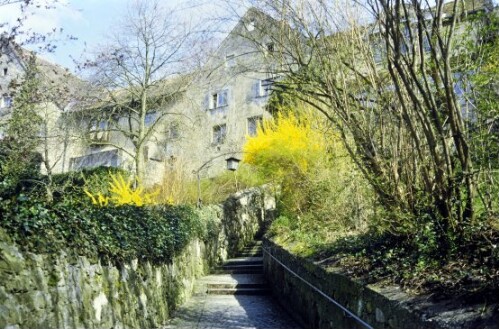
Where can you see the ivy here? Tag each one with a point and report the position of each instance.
(114, 233)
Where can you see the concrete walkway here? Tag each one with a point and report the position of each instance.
(236, 297)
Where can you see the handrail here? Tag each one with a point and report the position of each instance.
(343, 308)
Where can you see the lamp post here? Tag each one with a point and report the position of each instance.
(232, 164)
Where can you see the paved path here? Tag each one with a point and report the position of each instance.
(231, 312)
(235, 297)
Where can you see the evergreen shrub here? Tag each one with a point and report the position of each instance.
(121, 233)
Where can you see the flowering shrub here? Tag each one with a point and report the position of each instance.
(287, 143)
(122, 193)
(322, 194)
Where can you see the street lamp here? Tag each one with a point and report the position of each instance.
(232, 164)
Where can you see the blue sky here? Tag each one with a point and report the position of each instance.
(90, 21)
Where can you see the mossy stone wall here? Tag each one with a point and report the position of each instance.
(72, 292)
(57, 291)
(313, 310)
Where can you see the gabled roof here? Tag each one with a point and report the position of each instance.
(57, 82)
(466, 6)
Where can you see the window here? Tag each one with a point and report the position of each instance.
(150, 118)
(264, 87)
(98, 130)
(93, 125)
(219, 134)
(5, 101)
(146, 153)
(378, 54)
(462, 90)
(102, 125)
(250, 26)
(173, 131)
(405, 40)
(98, 125)
(230, 60)
(253, 124)
(219, 99)
(5, 71)
(270, 47)
(377, 48)
(426, 44)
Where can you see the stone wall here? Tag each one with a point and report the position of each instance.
(246, 215)
(59, 291)
(313, 310)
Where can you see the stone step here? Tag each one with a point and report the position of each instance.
(242, 275)
(242, 266)
(239, 271)
(233, 279)
(250, 269)
(227, 285)
(244, 261)
(252, 248)
(250, 253)
(229, 281)
(238, 291)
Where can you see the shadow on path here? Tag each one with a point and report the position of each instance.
(231, 312)
(236, 297)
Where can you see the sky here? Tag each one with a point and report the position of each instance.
(90, 21)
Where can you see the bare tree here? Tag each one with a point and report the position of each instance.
(16, 29)
(138, 75)
(389, 88)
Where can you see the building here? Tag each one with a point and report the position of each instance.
(201, 124)
(57, 90)
(206, 122)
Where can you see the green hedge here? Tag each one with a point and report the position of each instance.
(70, 186)
(114, 233)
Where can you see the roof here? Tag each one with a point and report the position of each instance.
(161, 91)
(56, 81)
(466, 6)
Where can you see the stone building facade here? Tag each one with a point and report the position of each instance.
(57, 90)
(225, 102)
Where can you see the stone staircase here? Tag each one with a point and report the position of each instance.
(242, 275)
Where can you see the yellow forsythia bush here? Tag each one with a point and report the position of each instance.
(121, 193)
(286, 143)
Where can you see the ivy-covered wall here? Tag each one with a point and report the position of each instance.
(61, 290)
